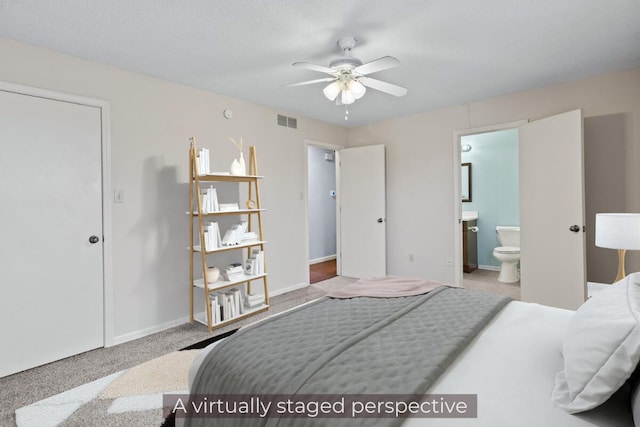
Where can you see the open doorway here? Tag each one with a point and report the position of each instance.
(322, 212)
(486, 181)
(490, 209)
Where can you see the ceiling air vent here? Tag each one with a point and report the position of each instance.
(285, 121)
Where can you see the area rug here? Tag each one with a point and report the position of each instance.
(132, 397)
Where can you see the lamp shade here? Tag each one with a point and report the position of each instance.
(618, 231)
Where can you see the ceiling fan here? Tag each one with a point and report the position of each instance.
(349, 75)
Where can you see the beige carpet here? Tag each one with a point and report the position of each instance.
(487, 281)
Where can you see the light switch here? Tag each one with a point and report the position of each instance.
(118, 196)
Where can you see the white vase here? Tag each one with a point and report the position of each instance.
(235, 168)
(213, 274)
(243, 167)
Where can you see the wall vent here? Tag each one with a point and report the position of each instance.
(285, 121)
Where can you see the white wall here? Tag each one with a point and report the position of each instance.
(420, 208)
(151, 121)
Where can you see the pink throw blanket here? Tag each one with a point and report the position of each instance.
(387, 287)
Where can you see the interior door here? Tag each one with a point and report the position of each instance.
(363, 241)
(52, 274)
(552, 245)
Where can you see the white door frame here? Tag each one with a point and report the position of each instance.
(307, 143)
(104, 107)
(457, 202)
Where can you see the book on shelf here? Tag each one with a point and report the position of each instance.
(254, 264)
(209, 200)
(203, 162)
(238, 300)
(253, 300)
(212, 236)
(226, 305)
(249, 235)
(233, 236)
(215, 309)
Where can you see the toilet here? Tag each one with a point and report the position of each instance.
(508, 253)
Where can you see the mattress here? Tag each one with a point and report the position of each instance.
(511, 366)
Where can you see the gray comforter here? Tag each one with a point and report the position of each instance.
(365, 345)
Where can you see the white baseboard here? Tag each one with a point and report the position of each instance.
(288, 289)
(322, 259)
(120, 339)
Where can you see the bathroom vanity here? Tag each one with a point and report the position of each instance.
(469, 241)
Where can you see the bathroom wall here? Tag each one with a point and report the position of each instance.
(494, 174)
(322, 206)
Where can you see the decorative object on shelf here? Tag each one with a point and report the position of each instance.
(238, 166)
(619, 231)
(213, 274)
(251, 204)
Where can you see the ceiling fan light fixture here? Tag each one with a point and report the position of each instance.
(347, 97)
(332, 90)
(357, 89)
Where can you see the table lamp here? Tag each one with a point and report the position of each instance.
(619, 231)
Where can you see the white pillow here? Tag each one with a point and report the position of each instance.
(601, 347)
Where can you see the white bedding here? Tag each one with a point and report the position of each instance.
(511, 366)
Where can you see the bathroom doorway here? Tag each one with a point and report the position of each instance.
(552, 232)
(490, 199)
(488, 175)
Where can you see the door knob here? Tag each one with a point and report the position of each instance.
(574, 228)
(94, 239)
(380, 220)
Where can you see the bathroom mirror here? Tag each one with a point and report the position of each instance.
(466, 182)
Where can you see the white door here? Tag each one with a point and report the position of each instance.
(51, 275)
(552, 244)
(363, 240)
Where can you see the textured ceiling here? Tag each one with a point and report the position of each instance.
(451, 52)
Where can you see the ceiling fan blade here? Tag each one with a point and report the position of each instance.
(310, 82)
(385, 87)
(314, 67)
(376, 65)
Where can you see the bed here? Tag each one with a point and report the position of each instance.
(528, 364)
